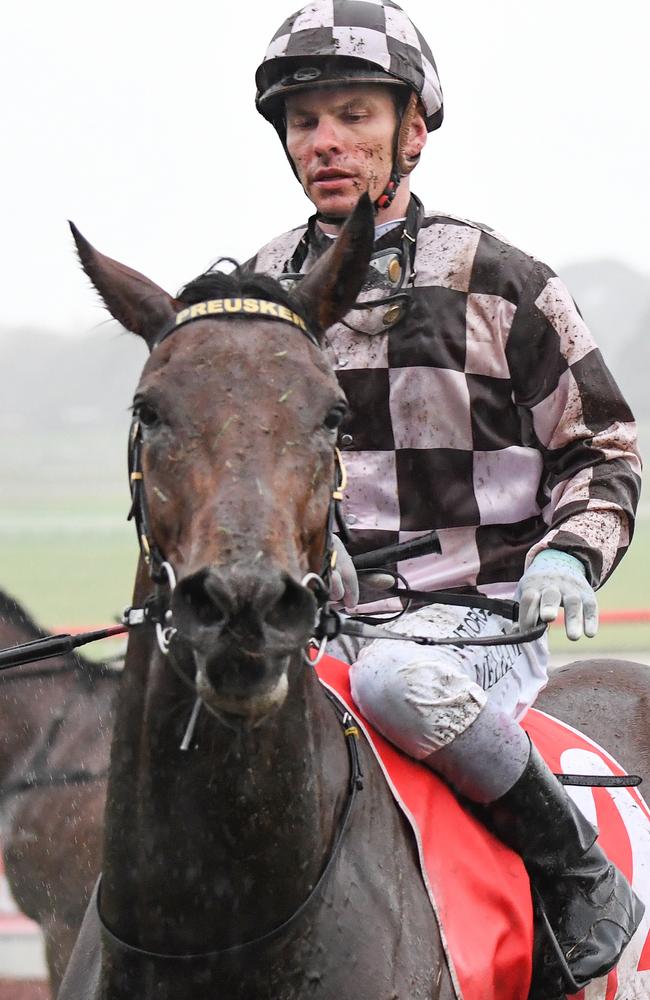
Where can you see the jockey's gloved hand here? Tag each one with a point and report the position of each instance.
(556, 579)
(344, 587)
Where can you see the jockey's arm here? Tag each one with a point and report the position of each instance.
(586, 435)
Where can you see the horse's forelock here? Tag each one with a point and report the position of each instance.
(218, 284)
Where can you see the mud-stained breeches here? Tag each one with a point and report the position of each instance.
(422, 698)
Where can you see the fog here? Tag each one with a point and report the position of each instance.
(138, 122)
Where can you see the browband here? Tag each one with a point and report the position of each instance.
(254, 308)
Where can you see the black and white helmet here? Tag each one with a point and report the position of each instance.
(337, 42)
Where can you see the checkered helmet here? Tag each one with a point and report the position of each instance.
(337, 42)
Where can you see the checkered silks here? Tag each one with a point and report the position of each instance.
(486, 413)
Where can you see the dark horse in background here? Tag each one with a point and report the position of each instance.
(56, 720)
(217, 832)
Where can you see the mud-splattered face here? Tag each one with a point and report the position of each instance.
(341, 142)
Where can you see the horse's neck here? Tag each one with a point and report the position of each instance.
(232, 833)
(31, 709)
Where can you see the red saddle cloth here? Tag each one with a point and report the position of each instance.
(479, 888)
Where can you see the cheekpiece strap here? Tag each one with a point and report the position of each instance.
(239, 306)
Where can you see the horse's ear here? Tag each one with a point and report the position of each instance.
(331, 288)
(133, 300)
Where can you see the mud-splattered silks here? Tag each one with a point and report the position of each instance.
(483, 410)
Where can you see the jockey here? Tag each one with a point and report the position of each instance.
(479, 407)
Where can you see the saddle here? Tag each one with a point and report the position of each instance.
(479, 889)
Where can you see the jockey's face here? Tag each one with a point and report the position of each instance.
(341, 142)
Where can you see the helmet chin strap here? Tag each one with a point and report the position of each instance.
(402, 165)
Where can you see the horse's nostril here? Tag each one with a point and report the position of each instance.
(294, 603)
(219, 600)
(201, 604)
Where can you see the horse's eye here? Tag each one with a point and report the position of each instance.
(146, 414)
(335, 417)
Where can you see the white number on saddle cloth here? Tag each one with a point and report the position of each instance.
(623, 821)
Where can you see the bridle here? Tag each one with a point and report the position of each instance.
(156, 610)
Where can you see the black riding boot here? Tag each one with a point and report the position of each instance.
(590, 906)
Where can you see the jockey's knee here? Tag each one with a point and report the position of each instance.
(420, 705)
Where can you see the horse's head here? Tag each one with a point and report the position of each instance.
(236, 418)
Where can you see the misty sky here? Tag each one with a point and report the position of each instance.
(137, 121)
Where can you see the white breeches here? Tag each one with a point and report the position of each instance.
(422, 698)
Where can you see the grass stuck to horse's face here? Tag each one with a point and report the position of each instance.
(237, 418)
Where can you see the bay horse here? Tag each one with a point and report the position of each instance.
(56, 719)
(225, 872)
(210, 848)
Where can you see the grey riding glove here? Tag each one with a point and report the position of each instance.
(344, 587)
(556, 579)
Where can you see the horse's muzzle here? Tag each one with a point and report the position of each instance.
(243, 626)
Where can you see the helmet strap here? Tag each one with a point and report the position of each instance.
(386, 197)
(402, 164)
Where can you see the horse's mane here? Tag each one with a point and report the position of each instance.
(13, 612)
(214, 284)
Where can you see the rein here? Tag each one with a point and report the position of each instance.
(54, 645)
(329, 623)
(156, 610)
